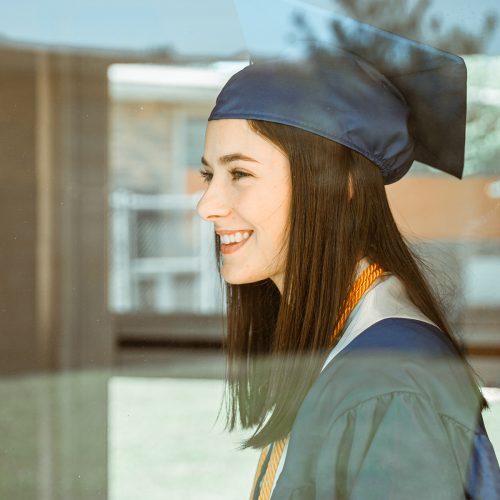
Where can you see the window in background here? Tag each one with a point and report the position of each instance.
(195, 139)
(162, 253)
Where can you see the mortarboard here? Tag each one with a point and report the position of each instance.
(392, 99)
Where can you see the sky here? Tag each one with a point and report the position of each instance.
(191, 27)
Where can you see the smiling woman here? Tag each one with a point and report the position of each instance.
(339, 353)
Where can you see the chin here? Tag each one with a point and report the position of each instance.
(238, 278)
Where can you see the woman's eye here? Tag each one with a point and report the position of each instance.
(207, 176)
(238, 174)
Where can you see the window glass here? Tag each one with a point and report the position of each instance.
(111, 308)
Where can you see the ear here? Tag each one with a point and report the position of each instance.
(350, 187)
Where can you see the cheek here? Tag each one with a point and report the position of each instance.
(281, 210)
(273, 226)
(273, 204)
(266, 210)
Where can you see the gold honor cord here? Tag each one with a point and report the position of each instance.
(361, 285)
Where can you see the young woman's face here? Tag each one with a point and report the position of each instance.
(248, 192)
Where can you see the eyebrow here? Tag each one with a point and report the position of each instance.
(226, 159)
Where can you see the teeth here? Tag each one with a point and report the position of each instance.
(234, 238)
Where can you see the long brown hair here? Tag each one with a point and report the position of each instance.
(276, 344)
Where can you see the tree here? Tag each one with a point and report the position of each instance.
(411, 19)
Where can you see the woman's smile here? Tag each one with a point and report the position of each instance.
(231, 247)
(231, 241)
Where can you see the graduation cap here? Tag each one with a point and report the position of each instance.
(390, 98)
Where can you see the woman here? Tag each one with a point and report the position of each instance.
(338, 351)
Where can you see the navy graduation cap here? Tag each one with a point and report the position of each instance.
(387, 97)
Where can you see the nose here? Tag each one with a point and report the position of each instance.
(213, 204)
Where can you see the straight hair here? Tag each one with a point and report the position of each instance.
(276, 344)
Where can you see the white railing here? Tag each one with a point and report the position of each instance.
(129, 270)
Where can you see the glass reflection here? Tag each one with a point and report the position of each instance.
(102, 130)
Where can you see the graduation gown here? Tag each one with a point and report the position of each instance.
(392, 415)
